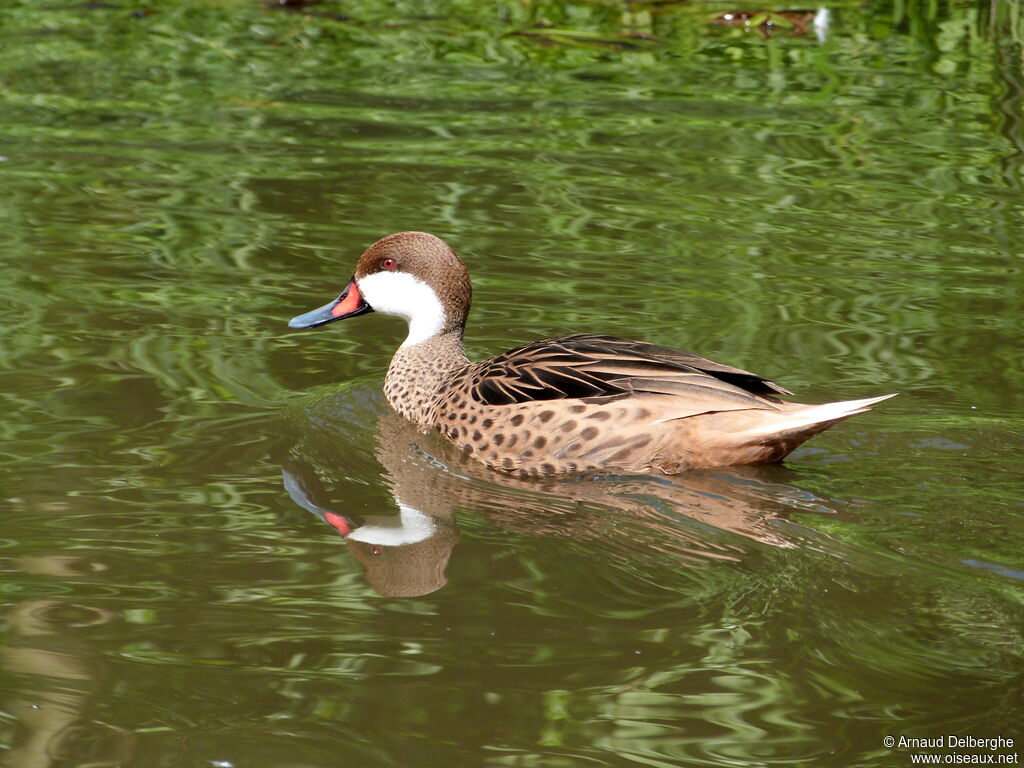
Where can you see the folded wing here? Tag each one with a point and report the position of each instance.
(599, 369)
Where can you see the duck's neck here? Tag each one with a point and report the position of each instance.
(418, 371)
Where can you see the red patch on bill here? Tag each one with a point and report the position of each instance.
(350, 303)
(340, 524)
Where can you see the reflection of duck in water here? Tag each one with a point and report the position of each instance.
(694, 518)
(405, 554)
(581, 403)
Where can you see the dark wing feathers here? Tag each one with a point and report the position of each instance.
(601, 368)
(623, 348)
(519, 376)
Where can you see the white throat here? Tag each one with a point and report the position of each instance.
(407, 527)
(399, 293)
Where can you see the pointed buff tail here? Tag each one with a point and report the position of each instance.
(808, 420)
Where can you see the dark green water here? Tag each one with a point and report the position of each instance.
(844, 216)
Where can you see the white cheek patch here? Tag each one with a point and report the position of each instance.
(409, 527)
(399, 293)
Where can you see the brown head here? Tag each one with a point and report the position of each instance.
(410, 274)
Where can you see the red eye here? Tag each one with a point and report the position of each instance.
(388, 264)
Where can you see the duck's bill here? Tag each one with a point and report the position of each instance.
(349, 304)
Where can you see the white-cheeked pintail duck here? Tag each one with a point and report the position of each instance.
(576, 404)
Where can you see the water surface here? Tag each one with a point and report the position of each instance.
(842, 215)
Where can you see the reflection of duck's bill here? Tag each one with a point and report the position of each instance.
(409, 526)
(307, 491)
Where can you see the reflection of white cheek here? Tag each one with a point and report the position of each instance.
(399, 293)
(408, 527)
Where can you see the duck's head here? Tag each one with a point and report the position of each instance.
(410, 274)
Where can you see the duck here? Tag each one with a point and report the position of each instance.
(575, 405)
